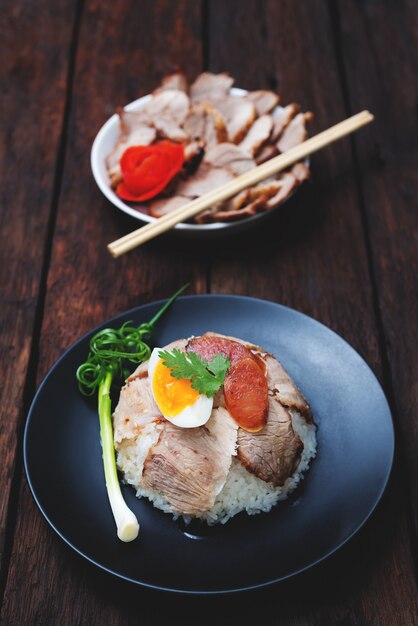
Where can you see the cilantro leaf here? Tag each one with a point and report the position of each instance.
(205, 377)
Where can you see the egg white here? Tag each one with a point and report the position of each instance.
(192, 416)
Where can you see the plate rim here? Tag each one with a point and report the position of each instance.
(215, 592)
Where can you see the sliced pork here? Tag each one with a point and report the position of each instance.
(263, 100)
(258, 134)
(273, 453)
(210, 87)
(295, 133)
(282, 118)
(136, 407)
(204, 123)
(190, 465)
(239, 114)
(228, 155)
(159, 208)
(204, 180)
(283, 388)
(266, 153)
(176, 80)
(169, 103)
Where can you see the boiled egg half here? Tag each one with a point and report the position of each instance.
(178, 402)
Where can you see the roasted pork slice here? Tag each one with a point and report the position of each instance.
(238, 113)
(258, 134)
(263, 100)
(170, 103)
(190, 466)
(223, 427)
(175, 80)
(136, 407)
(210, 87)
(295, 133)
(228, 155)
(159, 208)
(167, 128)
(205, 124)
(204, 180)
(273, 453)
(267, 152)
(283, 387)
(281, 118)
(286, 184)
(301, 172)
(245, 204)
(227, 213)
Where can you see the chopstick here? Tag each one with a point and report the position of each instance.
(257, 174)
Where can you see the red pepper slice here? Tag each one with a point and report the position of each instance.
(146, 170)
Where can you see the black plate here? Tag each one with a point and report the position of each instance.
(355, 449)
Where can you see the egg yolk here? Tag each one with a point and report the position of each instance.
(171, 394)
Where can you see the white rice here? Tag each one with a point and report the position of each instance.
(242, 490)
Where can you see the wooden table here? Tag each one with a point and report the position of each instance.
(343, 251)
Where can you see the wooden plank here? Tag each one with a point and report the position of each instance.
(381, 73)
(124, 49)
(33, 82)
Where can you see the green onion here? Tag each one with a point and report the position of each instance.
(111, 352)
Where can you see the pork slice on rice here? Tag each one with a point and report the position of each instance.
(190, 465)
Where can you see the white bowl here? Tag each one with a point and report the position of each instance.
(103, 145)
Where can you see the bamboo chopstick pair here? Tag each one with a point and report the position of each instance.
(278, 163)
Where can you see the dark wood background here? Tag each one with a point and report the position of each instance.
(343, 251)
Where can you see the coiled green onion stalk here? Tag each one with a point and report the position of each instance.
(111, 352)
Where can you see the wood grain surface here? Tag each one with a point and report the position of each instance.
(344, 251)
(35, 61)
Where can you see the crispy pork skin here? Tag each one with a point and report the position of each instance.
(190, 466)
